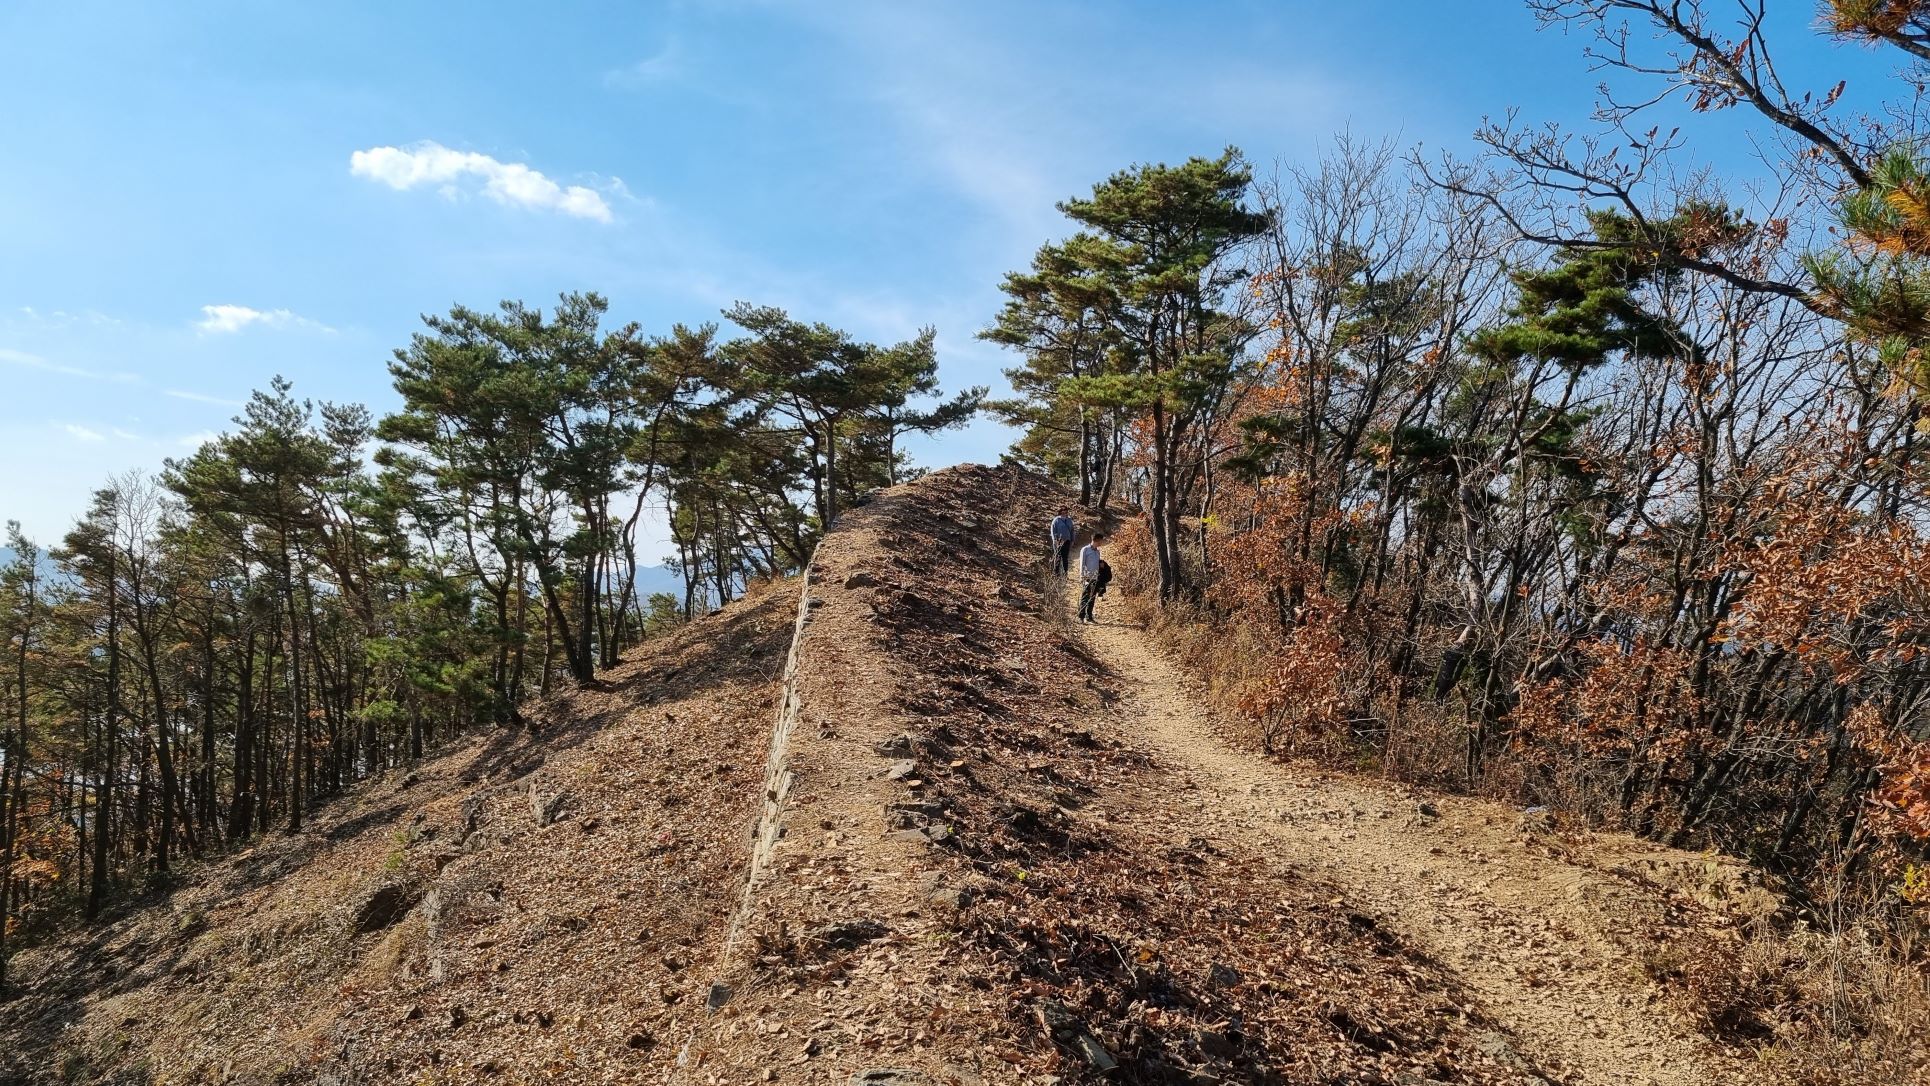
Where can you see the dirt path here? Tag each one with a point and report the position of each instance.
(1525, 928)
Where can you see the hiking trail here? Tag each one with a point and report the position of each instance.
(1524, 927)
(880, 825)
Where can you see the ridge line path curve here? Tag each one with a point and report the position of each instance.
(1525, 931)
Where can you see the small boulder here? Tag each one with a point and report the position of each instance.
(951, 898)
(903, 816)
(472, 815)
(860, 579)
(922, 835)
(383, 906)
(1066, 1028)
(848, 934)
(1214, 1044)
(1537, 821)
(544, 806)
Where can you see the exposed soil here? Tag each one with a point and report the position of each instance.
(1549, 933)
(986, 846)
(521, 908)
(982, 878)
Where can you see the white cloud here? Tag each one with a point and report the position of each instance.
(35, 362)
(61, 318)
(659, 67)
(82, 433)
(200, 397)
(513, 183)
(1001, 123)
(1005, 122)
(228, 319)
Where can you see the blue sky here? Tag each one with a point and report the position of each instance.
(184, 213)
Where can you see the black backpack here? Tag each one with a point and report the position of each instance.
(1105, 576)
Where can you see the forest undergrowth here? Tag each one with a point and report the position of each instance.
(1827, 980)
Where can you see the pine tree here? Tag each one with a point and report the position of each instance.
(1059, 316)
(20, 581)
(1154, 263)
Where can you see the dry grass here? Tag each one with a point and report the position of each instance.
(255, 973)
(1100, 915)
(1859, 1010)
(1840, 1002)
(1413, 743)
(1053, 609)
(582, 950)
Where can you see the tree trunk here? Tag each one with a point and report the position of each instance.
(204, 788)
(1162, 498)
(1113, 452)
(1086, 467)
(265, 730)
(104, 785)
(585, 625)
(298, 733)
(241, 805)
(829, 509)
(164, 751)
(14, 794)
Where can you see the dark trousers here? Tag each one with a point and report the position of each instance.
(1086, 599)
(1062, 556)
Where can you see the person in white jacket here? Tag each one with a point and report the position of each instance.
(1089, 563)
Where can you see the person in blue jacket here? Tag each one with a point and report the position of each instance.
(1062, 531)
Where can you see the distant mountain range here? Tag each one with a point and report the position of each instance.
(661, 578)
(650, 579)
(46, 562)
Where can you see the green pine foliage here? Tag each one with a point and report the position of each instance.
(318, 596)
(1130, 321)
